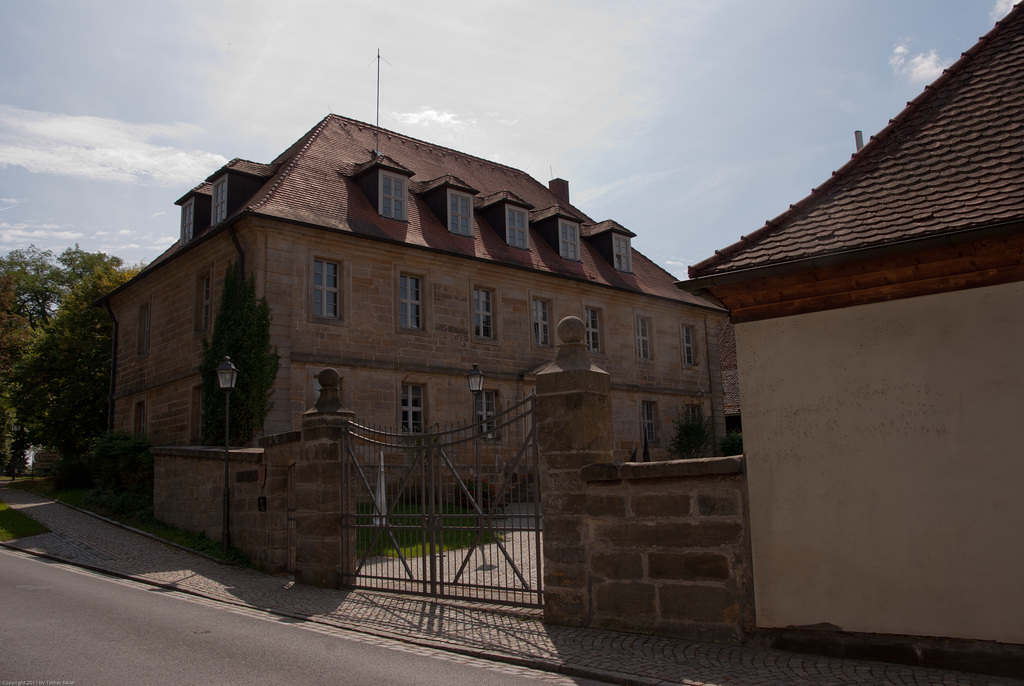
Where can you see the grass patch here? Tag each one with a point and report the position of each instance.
(458, 530)
(135, 513)
(14, 524)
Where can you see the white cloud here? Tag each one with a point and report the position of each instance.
(22, 233)
(1001, 9)
(922, 67)
(430, 117)
(100, 149)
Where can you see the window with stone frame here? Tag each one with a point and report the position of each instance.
(410, 303)
(541, 322)
(643, 338)
(486, 408)
(325, 289)
(688, 349)
(649, 420)
(204, 302)
(139, 418)
(592, 320)
(483, 313)
(411, 410)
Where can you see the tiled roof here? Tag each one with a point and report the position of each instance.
(606, 225)
(952, 160)
(502, 196)
(314, 185)
(263, 171)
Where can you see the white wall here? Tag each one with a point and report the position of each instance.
(885, 457)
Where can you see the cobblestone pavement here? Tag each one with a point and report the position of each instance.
(512, 637)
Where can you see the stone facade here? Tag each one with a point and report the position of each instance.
(376, 356)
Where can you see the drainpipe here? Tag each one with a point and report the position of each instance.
(113, 369)
(711, 389)
(238, 249)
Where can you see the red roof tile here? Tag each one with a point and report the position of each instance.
(952, 160)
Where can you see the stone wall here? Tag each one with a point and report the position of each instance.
(656, 547)
(188, 493)
(668, 548)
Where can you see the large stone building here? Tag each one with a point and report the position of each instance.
(402, 264)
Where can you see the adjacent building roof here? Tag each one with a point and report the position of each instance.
(952, 161)
(316, 183)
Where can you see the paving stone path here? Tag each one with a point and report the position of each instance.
(513, 637)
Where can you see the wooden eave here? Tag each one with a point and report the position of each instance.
(988, 258)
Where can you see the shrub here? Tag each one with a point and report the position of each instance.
(694, 436)
(122, 462)
(732, 444)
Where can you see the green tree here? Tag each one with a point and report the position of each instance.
(14, 336)
(241, 331)
(62, 379)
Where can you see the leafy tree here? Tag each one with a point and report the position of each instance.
(241, 331)
(63, 376)
(694, 436)
(14, 335)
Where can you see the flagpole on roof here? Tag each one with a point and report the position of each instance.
(378, 59)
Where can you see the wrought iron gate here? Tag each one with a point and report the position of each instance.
(452, 513)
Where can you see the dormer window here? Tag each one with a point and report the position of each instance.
(569, 240)
(622, 253)
(188, 221)
(460, 213)
(392, 196)
(516, 228)
(220, 201)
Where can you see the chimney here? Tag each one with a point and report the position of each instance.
(858, 138)
(559, 187)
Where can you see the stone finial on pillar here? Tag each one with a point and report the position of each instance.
(319, 560)
(574, 429)
(330, 393)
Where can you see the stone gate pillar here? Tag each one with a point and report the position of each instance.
(574, 426)
(318, 502)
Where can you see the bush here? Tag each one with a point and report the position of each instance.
(122, 462)
(694, 436)
(732, 444)
(71, 472)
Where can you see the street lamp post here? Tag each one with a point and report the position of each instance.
(475, 378)
(227, 374)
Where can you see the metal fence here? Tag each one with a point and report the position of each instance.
(451, 513)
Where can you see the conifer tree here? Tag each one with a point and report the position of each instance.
(241, 331)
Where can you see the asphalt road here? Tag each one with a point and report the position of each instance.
(60, 625)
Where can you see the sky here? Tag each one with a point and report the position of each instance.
(690, 122)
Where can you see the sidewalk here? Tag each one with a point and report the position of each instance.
(510, 636)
